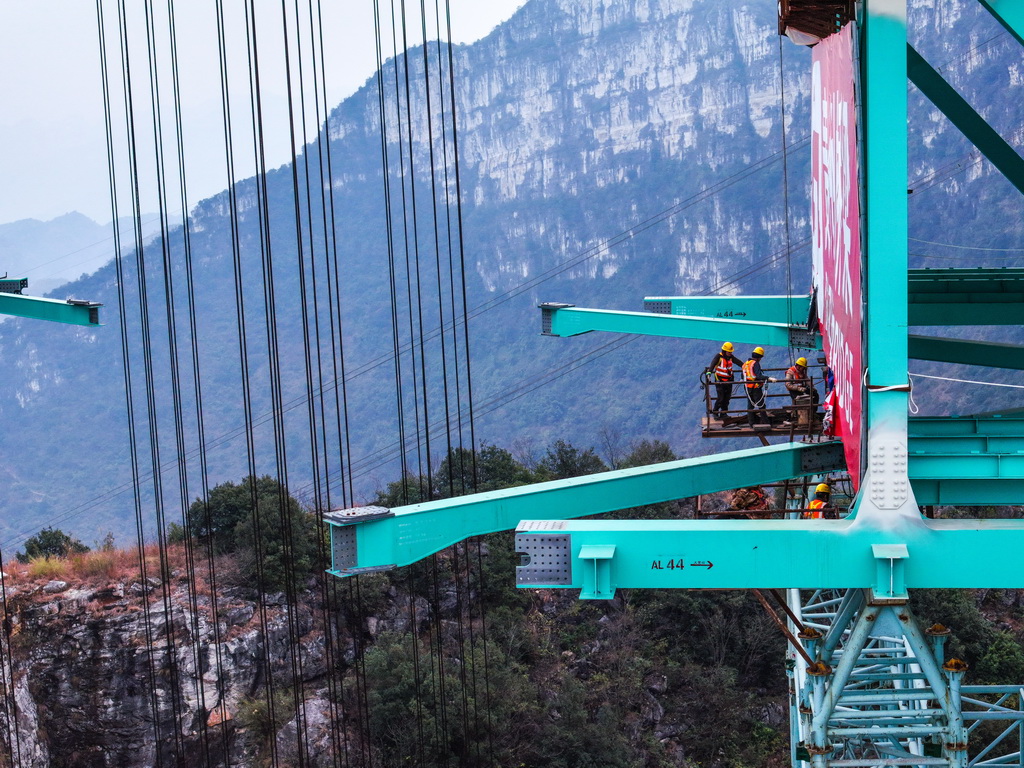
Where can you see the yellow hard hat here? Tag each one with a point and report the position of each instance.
(802, 361)
(823, 488)
(727, 347)
(758, 351)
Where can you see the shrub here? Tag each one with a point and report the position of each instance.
(50, 542)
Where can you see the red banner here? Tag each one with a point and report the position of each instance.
(835, 229)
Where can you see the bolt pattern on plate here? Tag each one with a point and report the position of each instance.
(823, 457)
(798, 337)
(548, 558)
(887, 475)
(343, 546)
(659, 307)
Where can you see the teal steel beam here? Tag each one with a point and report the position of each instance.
(1009, 13)
(968, 122)
(71, 311)
(963, 352)
(966, 296)
(885, 490)
(562, 320)
(387, 538)
(965, 279)
(967, 444)
(967, 492)
(1007, 309)
(748, 554)
(791, 310)
(953, 426)
(979, 466)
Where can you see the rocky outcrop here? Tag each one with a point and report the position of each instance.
(153, 675)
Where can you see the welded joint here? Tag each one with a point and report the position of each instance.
(597, 571)
(890, 585)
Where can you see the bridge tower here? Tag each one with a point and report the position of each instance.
(869, 685)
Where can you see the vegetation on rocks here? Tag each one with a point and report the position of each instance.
(444, 661)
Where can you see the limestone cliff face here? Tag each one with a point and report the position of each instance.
(584, 100)
(87, 662)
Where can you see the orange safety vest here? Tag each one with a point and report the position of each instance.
(748, 374)
(796, 373)
(724, 368)
(817, 508)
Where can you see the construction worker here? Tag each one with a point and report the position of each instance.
(721, 365)
(797, 382)
(755, 379)
(805, 397)
(821, 502)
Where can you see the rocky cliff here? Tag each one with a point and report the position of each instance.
(109, 669)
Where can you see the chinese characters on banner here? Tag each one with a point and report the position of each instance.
(835, 225)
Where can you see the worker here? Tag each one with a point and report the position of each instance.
(797, 382)
(829, 378)
(821, 502)
(721, 365)
(805, 396)
(755, 379)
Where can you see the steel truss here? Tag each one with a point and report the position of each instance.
(881, 692)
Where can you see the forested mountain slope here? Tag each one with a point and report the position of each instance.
(610, 149)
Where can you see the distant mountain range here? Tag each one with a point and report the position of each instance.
(610, 149)
(61, 250)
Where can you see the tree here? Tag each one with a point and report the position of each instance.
(50, 542)
(411, 490)
(494, 467)
(563, 460)
(227, 504)
(648, 452)
(278, 546)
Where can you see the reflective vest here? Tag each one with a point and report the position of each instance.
(817, 509)
(749, 376)
(796, 373)
(724, 368)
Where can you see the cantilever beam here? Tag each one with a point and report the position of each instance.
(70, 311)
(565, 320)
(963, 352)
(791, 310)
(374, 538)
(600, 556)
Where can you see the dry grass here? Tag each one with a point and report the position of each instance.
(48, 568)
(103, 566)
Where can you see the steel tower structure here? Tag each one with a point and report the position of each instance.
(869, 686)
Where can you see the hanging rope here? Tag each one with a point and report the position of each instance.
(965, 381)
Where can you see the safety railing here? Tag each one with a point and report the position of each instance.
(732, 409)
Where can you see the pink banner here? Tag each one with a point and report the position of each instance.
(835, 229)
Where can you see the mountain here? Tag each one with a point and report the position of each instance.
(610, 149)
(52, 253)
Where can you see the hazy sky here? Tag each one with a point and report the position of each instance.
(52, 146)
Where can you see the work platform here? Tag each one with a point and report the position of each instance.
(782, 417)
